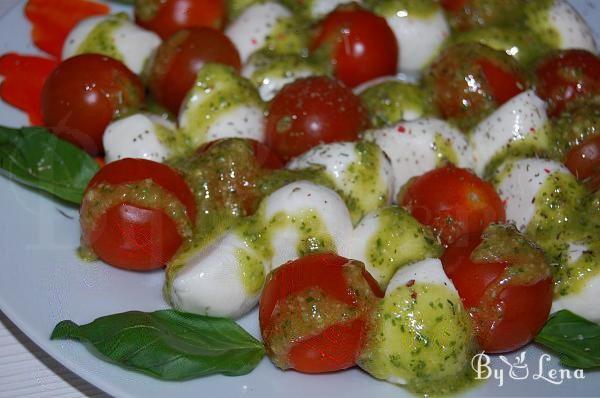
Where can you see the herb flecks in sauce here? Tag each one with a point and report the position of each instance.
(100, 40)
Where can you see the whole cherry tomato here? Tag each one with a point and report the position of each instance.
(311, 111)
(506, 286)
(584, 159)
(314, 313)
(165, 17)
(179, 58)
(84, 94)
(567, 75)
(136, 213)
(452, 201)
(360, 45)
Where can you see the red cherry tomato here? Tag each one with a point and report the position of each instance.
(567, 75)
(128, 235)
(360, 45)
(584, 159)
(311, 111)
(165, 17)
(180, 57)
(523, 308)
(338, 345)
(454, 202)
(84, 94)
(453, 5)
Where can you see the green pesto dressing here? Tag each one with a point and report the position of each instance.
(390, 102)
(444, 150)
(147, 9)
(289, 36)
(252, 270)
(413, 8)
(236, 7)
(218, 89)
(538, 19)
(399, 240)
(100, 40)
(300, 7)
(423, 336)
(580, 120)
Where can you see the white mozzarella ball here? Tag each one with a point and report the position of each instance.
(429, 271)
(520, 120)
(519, 186)
(138, 136)
(297, 213)
(270, 85)
(129, 43)
(212, 280)
(360, 170)
(249, 32)
(320, 8)
(244, 121)
(584, 302)
(418, 146)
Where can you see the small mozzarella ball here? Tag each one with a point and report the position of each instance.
(429, 271)
(519, 122)
(302, 217)
(221, 104)
(388, 239)
(114, 36)
(359, 170)
(252, 29)
(519, 184)
(138, 136)
(320, 8)
(561, 26)
(421, 145)
(584, 302)
(224, 279)
(419, 36)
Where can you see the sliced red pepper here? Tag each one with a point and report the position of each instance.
(53, 20)
(24, 77)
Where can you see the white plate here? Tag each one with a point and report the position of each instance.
(43, 282)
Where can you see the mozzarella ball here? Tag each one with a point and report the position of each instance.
(359, 170)
(584, 302)
(421, 145)
(516, 128)
(114, 36)
(138, 136)
(224, 279)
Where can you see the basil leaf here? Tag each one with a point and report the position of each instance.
(168, 344)
(33, 156)
(575, 339)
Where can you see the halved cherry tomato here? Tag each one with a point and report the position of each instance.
(360, 45)
(311, 111)
(165, 17)
(300, 291)
(84, 94)
(565, 76)
(506, 315)
(452, 201)
(584, 159)
(180, 57)
(469, 81)
(134, 235)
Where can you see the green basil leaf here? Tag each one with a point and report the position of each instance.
(168, 344)
(33, 156)
(575, 339)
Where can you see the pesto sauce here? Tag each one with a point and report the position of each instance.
(399, 240)
(289, 36)
(444, 150)
(538, 19)
(100, 40)
(392, 101)
(252, 271)
(236, 7)
(423, 337)
(146, 10)
(413, 8)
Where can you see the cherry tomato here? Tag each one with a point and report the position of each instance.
(264, 156)
(300, 287)
(84, 94)
(134, 235)
(180, 57)
(165, 17)
(452, 201)
(360, 45)
(469, 81)
(506, 315)
(567, 75)
(311, 111)
(584, 159)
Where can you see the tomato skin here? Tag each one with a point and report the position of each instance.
(361, 45)
(129, 236)
(567, 75)
(525, 308)
(179, 58)
(84, 94)
(311, 111)
(173, 15)
(453, 201)
(338, 346)
(584, 159)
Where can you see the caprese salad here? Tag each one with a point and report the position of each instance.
(396, 184)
